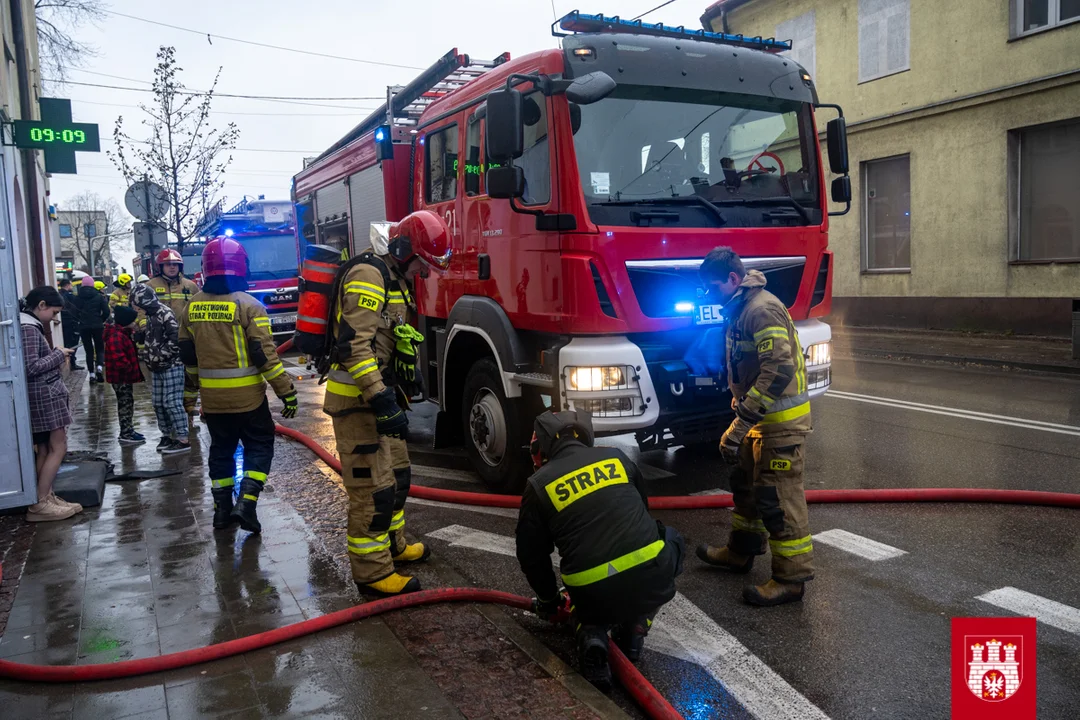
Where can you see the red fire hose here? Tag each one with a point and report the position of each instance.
(285, 346)
(697, 502)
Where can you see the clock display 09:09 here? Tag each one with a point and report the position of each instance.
(47, 135)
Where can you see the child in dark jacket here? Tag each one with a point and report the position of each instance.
(122, 370)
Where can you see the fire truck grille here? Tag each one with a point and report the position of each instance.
(658, 290)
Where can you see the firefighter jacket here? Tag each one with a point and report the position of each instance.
(765, 364)
(590, 503)
(369, 304)
(225, 343)
(119, 296)
(174, 293)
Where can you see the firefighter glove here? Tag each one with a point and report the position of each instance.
(406, 339)
(291, 406)
(732, 438)
(389, 417)
(554, 610)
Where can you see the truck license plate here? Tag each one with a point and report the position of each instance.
(709, 315)
(289, 319)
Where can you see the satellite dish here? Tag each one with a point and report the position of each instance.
(146, 201)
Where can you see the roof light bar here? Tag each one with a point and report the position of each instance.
(578, 22)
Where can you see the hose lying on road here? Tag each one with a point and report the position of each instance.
(697, 502)
(638, 687)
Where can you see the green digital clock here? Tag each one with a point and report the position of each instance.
(41, 135)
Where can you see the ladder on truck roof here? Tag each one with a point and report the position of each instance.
(408, 102)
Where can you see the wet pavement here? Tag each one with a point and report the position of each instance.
(145, 574)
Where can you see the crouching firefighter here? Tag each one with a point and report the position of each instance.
(618, 563)
(767, 377)
(370, 368)
(229, 355)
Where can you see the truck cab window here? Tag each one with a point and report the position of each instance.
(474, 158)
(536, 161)
(442, 164)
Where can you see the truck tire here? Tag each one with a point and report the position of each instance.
(495, 431)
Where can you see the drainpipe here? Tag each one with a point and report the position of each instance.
(26, 112)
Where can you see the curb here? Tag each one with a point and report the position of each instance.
(965, 360)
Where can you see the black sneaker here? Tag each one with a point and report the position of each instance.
(176, 447)
(131, 440)
(163, 443)
(138, 436)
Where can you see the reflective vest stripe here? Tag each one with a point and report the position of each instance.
(241, 346)
(262, 321)
(364, 546)
(739, 522)
(339, 388)
(361, 369)
(223, 483)
(252, 498)
(309, 319)
(217, 383)
(765, 401)
(358, 286)
(255, 475)
(791, 548)
(774, 331)
(398, 521)
(784, 415)
(613, 567)
(227, 372)
(273, 372)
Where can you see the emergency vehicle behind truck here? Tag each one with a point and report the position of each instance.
(564, 201)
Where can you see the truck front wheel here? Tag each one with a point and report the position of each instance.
(495, 434)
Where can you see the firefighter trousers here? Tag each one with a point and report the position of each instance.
(371, 467)
(770, 503)
(254, 430)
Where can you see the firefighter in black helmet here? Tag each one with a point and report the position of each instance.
(618, 563)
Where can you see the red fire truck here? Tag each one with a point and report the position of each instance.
(267, 231)
(565, 200)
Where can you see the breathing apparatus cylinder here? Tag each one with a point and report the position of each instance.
(321, 263)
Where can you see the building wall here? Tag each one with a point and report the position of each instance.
(968, 86)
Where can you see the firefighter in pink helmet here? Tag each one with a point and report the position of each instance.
(229, 355)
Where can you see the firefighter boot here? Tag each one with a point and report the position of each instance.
(244, 511)
(223, 507)
(630, 637)
(392, 584)
(414, 552)
(773, 593)
(592, 642)
(725, 559)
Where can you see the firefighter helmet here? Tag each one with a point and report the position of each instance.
(553, 428)
(224, 256)
(421, 233)
(166, 257)
(123, 280)
(142, 278)
(98, 285)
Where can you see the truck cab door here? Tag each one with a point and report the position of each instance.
(441, 169)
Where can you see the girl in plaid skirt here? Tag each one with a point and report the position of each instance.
(49, 411)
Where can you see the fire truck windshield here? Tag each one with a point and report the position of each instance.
(674, 157)
(270, 257)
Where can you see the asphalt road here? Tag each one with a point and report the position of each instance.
(872, 637)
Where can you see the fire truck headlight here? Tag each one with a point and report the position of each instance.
(818, 354)
(596, 378)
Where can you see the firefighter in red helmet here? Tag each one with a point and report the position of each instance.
(171, 286)
(226, 344)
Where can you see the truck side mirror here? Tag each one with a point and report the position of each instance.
(590, 88)
(505, 182)
(505, 129)
(836, 138)
(841, 189)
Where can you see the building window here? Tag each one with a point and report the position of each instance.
(442, 164)
(887, 214)
(1049, 198)
(91, 230)
(884, 38)
(802, 31)
(65, 230)
(1034, 15)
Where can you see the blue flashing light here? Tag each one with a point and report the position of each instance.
(228, 232)
(380, 134)
(578, 22)
(611, 233)
(684, 307)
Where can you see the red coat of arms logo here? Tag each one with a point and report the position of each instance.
(993, 668)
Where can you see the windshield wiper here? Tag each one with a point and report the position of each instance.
(778, 200)
(674, 200)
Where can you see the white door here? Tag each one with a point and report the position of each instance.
(16, 441)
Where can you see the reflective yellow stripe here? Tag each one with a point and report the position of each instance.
(211, 383)
(363, 364)
(241, 346)
(364, 546)
(358, 286)
(771, 331)
(784, 415)
(223, 482)
(399, 520)
(337, 388)
(255, 475)
(262, 322)
(273, 372)
(365, 371)
(765, 401)
(191, 370)
(618, 565)
(739, 522)
(253, 498)
(791, 548)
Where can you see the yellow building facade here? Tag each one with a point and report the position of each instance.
(964, 132)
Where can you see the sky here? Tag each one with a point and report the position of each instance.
(275, 136)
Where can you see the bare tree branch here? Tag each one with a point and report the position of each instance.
(58, 25)
(182, 153)
(94, 224)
